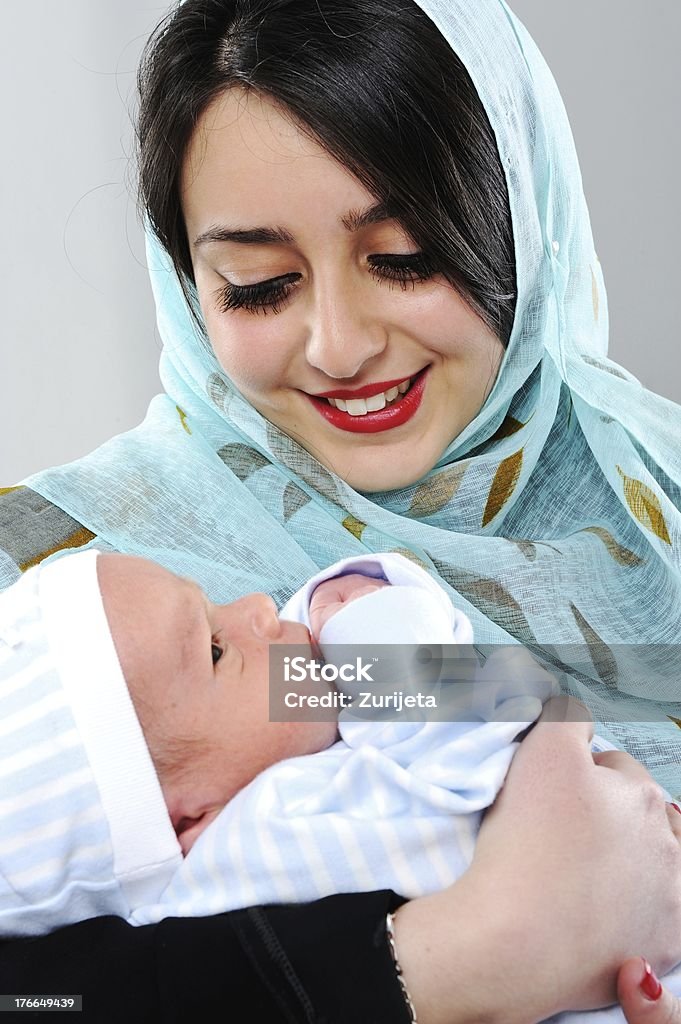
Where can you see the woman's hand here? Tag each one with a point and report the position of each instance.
(643, 999)
(577, 868)
(330, 596)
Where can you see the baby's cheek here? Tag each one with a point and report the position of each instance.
(311, 737)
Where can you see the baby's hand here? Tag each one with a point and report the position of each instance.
(330, 596)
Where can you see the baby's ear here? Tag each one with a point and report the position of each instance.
(188, 830)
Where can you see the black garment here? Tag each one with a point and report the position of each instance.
(326, 962)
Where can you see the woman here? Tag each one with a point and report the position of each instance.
(382, 207)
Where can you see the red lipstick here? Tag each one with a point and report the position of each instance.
(394, 415)
(368, 391)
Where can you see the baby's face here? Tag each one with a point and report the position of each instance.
(199, 672)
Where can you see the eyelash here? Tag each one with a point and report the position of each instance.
(270, 295)
(216, 647)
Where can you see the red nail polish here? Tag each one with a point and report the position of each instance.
(650, 985)
(676, 807)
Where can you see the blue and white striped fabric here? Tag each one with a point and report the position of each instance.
(83, 827)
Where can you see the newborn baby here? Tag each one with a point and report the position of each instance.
(198, 673)
(133, 710)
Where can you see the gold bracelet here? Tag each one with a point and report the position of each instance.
(390, 931)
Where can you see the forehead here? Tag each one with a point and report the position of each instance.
(265, 129)
(151, 612)
(247, 156)
(139, 579)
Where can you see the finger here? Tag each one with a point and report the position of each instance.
(368, 588)
(559, 741)
(321, 615)
(567, 709)
(642, 997)
(323, 594)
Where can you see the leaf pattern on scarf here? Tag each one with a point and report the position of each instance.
(8, 490)
(490, 598)
(621, 554)
(354, 526)
(676, 721)
(241, 459)
(602, 366)
(438, 491)
(406, 553)
(601, 655)
(218, 391)
(76, 540)
(594, 295)
(527, 548)
(304, 465)
(607, 419)
(294, 499)
(183, 418)
(645, 505)
(503, 485)
(509, 427)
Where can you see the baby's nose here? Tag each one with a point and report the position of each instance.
(264, 617)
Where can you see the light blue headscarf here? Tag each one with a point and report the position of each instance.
(553, 518)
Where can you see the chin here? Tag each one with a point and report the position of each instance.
(318, 736)
(398, 472)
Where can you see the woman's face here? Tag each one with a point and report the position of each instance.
(309, 290)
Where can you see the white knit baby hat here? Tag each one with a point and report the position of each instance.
(84, 829)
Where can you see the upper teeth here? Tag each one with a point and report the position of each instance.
(361, 406)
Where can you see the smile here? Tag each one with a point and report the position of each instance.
(374, 413)
(361, 406)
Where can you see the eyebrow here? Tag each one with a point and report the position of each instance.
(353, 220)
(189, 624)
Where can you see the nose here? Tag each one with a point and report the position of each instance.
(254, 614)
(263, 618)
(342, 335)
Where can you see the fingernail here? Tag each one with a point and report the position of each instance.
(650, 985)
(676, 807)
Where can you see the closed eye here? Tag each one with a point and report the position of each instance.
(409, 268)
(258, 297)
(406, 269)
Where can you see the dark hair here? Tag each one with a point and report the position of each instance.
(377, 86)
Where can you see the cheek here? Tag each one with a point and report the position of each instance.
(250, 349)
(448, 325)
(298, 738)
(471, 352)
